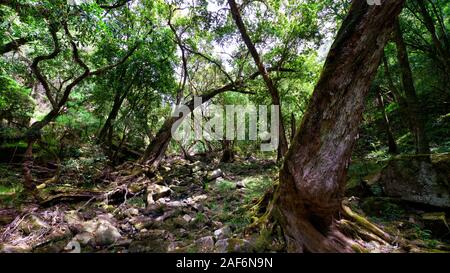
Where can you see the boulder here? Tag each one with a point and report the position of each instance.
(416, 180)
(97, 232)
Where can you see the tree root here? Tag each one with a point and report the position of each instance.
(352, 229)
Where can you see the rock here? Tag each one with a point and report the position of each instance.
(232, 245)
(385, 207)
(106, 234)
(141, 222)
(53, 247)
(98, 232)
(174, 246)
(85, 238)
(214, 174)
(222, 232)
(187, 218)
(32, 223)
(240, 185)
(217, 224)
(21, 248)
(131, 212)
(196, 169)
(156, 192)
(436, 223)
(152, 241)
(72, 218)
(205, 244)
(416, 180)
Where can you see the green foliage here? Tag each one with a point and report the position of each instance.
(15, 101)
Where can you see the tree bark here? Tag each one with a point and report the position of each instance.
(386, 125)
(312, 179)
(293, 126)
(283, 144)
(414, 112)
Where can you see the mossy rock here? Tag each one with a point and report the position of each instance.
(382, 207)
(415, 179)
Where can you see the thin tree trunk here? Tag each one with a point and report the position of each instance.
(227, 151)
(312, 179)
(386, 125)
(119, 98)
(414, 112)
(283, 144)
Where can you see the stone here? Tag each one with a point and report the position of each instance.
(174, 246)
(131, 212)
(417, 180)
(98, 232)
(205, 244)
(106, 234)
(156, 192)
(231, 245)
(214, 174)
(84, 238)
(152, 241)
(222, 232)
(187, 218)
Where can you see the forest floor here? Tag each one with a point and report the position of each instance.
(188, 206)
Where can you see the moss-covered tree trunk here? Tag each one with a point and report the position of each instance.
(308, 199)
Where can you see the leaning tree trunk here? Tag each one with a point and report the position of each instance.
(308, 199)
(157, 148)
(414, 112)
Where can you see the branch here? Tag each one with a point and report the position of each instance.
(13, 45)
(114, 6)
(35, 65)
(121, 61)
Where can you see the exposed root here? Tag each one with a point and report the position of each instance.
(353, 232)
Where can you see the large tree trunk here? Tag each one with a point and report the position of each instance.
(283, 144)
(385, 123)
(414, 112)
(308, 199)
